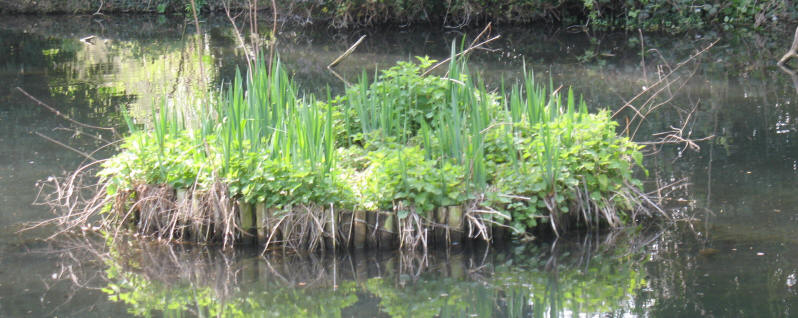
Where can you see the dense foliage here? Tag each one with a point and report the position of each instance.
(404, 143)
(598, 14)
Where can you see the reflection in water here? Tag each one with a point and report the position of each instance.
(793, 75)
(590, 276)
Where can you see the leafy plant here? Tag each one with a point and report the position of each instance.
(403, 174)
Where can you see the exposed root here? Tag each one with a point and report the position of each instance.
(211, 216)
(78, 200)
(413, 230)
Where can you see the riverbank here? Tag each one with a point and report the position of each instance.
(659, 15)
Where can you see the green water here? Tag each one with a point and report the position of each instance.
(732, 255)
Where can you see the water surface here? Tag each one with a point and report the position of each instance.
(732, 256)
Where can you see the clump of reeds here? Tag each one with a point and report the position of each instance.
(405, 158)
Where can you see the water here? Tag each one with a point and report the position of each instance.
(732, 256)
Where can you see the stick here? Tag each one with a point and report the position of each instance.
(340, 77)
(62, 115)
(65, 146)
(792, 52)
(346, 53)
(479, 36)
(642, 55)
(663, 79)
(466, 51)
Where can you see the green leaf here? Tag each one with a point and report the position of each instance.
(603, 181)
(401, 214)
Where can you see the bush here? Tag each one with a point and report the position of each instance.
(589, 161)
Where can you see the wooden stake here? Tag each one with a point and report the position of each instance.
(263, 224)
(455, 222)
(359, 229)
(247, 217)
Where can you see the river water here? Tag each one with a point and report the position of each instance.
(729, 254)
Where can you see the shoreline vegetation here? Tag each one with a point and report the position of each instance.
(401, 160)
(655, 15)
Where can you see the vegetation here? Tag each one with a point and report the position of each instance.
(401, 147)
(676, 15)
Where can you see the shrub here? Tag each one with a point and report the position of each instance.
(402, 176)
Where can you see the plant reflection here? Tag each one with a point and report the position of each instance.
(568, 278)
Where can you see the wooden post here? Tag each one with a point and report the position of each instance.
(345, 228)
(455, 222)
(387, 230)
(182, 203)
(246, 215)
(439, 226)
(371, 227)
(359, 229)
(263, 222)
(196, 227)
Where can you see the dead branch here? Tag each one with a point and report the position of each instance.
(87, 156)
(470, 48)
(62, 115)
(237, 33)
(663, 79)
(346, 53)
(792, 52)
(679, 135)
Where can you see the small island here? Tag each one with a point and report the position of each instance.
(404, 160)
